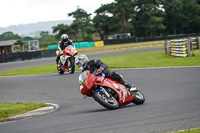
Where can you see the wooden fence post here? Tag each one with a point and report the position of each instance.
(167, 42)
(198, 42)
(188, 47)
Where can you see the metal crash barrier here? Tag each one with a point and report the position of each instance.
(180, 47)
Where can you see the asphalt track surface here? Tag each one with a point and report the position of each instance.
(172, 102)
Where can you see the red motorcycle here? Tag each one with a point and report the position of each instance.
(107, 92)
(67, 60)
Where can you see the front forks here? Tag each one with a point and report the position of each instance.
(68, 64)
(100, 88)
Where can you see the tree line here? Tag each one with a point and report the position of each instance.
(141, 18)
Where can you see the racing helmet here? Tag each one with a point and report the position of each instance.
(64, 37)
(81, 61)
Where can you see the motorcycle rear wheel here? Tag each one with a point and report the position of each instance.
(138, 98)
(108, 102)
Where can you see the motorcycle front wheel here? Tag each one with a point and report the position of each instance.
(60, 71)
(138, 98)
(72, 65)
(108, 102)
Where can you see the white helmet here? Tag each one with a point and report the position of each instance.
(64, 37)
(81, 61)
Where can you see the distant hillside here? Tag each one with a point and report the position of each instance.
(26, 29)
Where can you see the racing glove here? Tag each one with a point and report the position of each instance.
(100, 70)
(61, 52)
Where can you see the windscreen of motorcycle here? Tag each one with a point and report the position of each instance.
(70, 47)
(82, 77)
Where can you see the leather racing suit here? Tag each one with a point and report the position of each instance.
(96, 63)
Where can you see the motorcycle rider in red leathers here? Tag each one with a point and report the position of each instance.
(65, 41)
(96, 64)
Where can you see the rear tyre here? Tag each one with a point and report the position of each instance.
(138, 98)
(60, 71)
(108, 102)
(72, 65)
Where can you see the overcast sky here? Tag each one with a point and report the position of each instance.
(15, 12)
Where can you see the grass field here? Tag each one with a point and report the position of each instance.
(120, 47)
(150, 59)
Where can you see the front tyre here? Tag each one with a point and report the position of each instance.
(108, 102)
(60, 71)
(138, 98)
(72, 65)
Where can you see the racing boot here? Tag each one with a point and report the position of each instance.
(130, 87)
(57, 59)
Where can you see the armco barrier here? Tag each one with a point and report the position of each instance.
(179, 47)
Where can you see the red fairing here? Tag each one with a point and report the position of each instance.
(91, 81)
(123, 94)
(72, 51)
(65, 67)
(88, 86)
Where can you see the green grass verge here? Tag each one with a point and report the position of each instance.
(196, 130)
(138, 60)
(150, 59)
(12, 109)
(44, 69)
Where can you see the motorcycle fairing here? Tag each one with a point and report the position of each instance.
(88, 84)
(70, 50)
(123, 94)
(63, 58)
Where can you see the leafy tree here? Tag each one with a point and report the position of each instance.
(103, 19)
(191, 19)
(141, 18)
(174, 17)
(61, 29)
(80, 14)
(10, 36)
(149, 18)
(123, 12)
(27, 38)
(74, 29)
(82, 22)
(44, 34)
(115, 17)
(182, 16)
